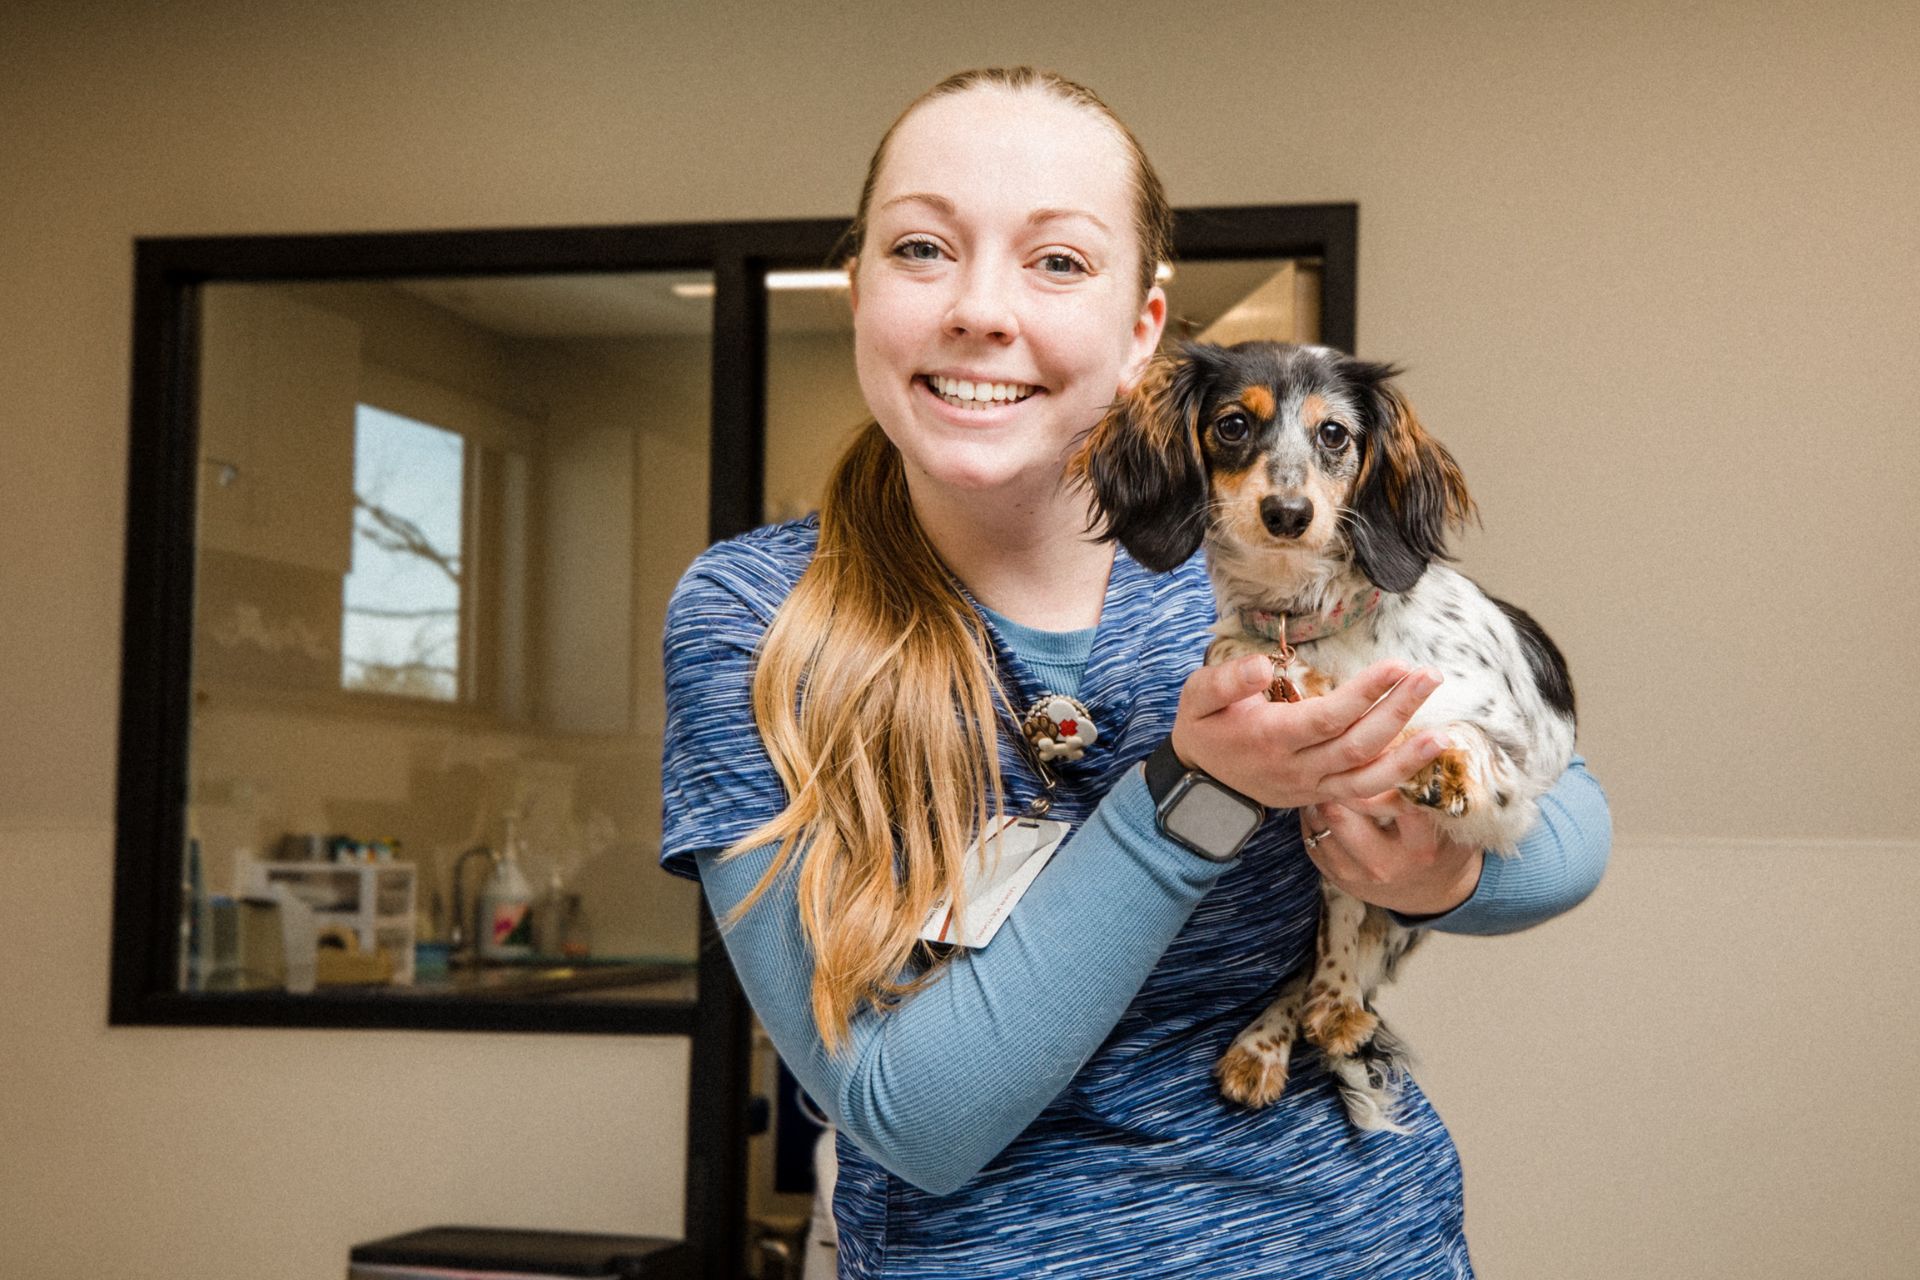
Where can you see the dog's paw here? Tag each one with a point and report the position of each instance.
(1338, 1024)
(1443, 784)
(1253, 1072)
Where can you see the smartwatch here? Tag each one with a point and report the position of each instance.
(1196, 810)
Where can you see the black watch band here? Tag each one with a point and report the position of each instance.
(1196, 810)
(1163, 770)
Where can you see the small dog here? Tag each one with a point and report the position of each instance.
(1324, 506)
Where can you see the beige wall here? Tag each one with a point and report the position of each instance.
(1653, 271)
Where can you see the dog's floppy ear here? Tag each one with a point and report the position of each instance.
(1410, 493)
(1143, 465)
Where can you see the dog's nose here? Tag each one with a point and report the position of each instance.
(1286, 517)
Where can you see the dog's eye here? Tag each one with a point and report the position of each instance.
(1333, 436)
(1231, 429)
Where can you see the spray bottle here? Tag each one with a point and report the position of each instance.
(506, 906)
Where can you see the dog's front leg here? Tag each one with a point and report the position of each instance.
(1345, 970)
(1253, 1071)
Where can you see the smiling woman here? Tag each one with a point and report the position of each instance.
(947, 652)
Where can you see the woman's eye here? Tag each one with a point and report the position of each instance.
(1333, 436)
(1231, 429)
(1062, 264)
(917, 250)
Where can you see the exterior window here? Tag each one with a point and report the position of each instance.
(400, 629)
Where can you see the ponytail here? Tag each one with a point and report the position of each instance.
(875, 694)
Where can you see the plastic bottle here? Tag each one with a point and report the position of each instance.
(506, 907)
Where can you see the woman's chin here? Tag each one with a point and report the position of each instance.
(969, 471)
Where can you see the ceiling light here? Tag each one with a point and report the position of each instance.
(826, 279)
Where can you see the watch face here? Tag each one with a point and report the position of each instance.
(1210, 819)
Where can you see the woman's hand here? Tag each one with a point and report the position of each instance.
(1387, 850)
(1288, 755)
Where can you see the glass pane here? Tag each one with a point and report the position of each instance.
(814, 405)
(438, 524)
(402, 611)
(1238, 300)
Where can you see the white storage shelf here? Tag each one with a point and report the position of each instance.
(374, 899)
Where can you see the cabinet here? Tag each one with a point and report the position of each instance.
(373, 899)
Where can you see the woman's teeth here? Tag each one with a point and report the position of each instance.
(962, 394)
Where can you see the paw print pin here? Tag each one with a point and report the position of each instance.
(1060, 728)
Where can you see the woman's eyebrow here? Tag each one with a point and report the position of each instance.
(1039, 216)
(940, 203)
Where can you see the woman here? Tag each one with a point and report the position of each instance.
(842, 701)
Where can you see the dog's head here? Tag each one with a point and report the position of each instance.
(1269, 449)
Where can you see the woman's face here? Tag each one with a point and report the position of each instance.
(996, 297)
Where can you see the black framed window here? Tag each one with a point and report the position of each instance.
(556, 394)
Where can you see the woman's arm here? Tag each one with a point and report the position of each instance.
(1404, 864)
(939, 1086)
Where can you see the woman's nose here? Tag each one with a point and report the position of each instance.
(983, 305)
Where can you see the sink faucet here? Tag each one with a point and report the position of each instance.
(466, 914)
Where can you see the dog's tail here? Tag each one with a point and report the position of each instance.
(1370, 1081)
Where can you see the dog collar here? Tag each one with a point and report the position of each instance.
(1287, 630)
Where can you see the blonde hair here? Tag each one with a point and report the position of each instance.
(875, 691)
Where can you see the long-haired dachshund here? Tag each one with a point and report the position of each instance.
(1324, 507)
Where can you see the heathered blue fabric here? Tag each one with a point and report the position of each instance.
(1046, 1107)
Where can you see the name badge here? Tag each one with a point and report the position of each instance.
(1015, 851)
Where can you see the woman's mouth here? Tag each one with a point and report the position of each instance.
(964, 394)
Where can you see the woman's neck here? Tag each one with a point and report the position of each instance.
(1028, 559)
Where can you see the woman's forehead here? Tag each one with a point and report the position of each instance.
(1025, 150)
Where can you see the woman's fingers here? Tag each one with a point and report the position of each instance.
(1209, 691)
(1377, 726)
(1387, 770)
(1213, 689)
(1338, 746)
(1326, 718)
(1385, 807)
(1334, 852)
(1406, 865)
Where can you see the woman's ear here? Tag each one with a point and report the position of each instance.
(1147, 328)
(1143, 466)
(1410, 493)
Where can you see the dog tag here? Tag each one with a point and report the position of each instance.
(1016, 851)
(1282, 689)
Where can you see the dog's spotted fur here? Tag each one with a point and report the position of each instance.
(1219, 447)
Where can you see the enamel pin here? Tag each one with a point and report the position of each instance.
(1059, 727)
